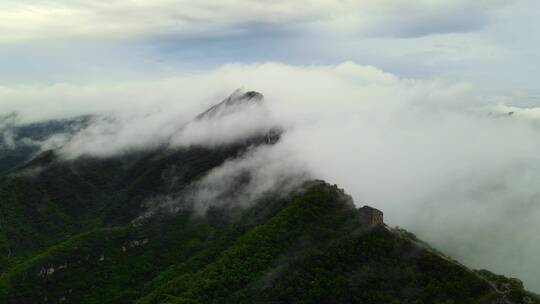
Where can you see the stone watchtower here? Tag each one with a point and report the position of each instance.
(370, 216)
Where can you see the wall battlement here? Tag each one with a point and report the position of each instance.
(370, 216)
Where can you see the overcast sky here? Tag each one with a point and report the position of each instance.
(410, 98)
(492, 43)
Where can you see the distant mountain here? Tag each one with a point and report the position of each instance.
(19, 143)
(125, 229)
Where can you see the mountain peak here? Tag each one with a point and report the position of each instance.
(253, 95)
(230, 104)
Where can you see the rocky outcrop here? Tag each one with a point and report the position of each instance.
(135, 243)
(50, 270)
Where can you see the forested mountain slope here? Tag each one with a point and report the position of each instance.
(81, 231)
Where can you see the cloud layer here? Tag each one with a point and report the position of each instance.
(42, 20)
(439, 158)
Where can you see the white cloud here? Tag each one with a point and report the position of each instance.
(43, 20)
(269, 169)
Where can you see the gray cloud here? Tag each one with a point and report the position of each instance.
(39, 20)
(456, 22)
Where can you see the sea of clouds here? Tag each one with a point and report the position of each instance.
(457, 168)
